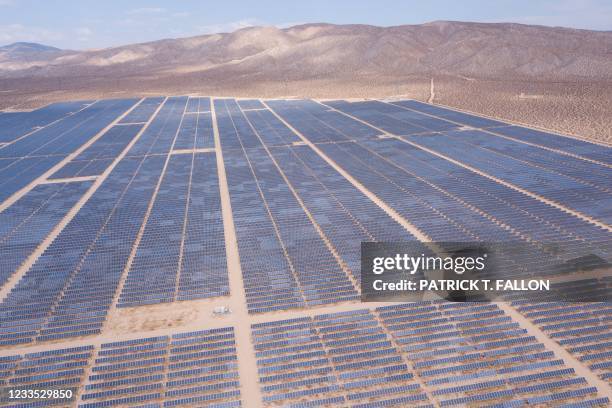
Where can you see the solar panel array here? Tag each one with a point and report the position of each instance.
(159, 136)
(14, 125)
(234, 130)
(270, 221)
(196, 132)
(198, 105)
(144, 111)
(307, 183)
(584, 329)
(71, 286)
(564, 144)
(100, 155)
(68, 290)
(462, 196)
(203, 270)
(25, 224)
(344, 214)
(250, 104)
(181, 254)
(56, 369)
(451, 115)
(582, 171)
(568, 180)
(537, 137)
(471, 353)
(524, 216)
(29, 157)
(336, 359)
(179, 370)
(17, 173)
(573, 193)
(321, 125)
(392, 119)
(464, 354)
(271, 131)
(173, 370)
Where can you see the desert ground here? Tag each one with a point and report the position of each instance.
(580, 109)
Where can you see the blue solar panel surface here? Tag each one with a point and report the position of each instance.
(40, 151)
(302, 184)
(14, 125)
(25, 224)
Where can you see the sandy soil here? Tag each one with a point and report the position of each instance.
(580, 109)
(577, 108)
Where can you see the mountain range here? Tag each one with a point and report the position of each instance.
(343, 52)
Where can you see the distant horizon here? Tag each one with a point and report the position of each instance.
(292, 26)
(79, 25)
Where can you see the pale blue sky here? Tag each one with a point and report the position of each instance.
(96, 23)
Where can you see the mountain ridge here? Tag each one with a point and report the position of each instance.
(28, 46)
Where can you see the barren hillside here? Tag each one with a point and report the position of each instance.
(517, 65)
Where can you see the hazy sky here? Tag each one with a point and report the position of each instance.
(102, 23)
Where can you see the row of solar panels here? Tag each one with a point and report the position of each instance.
(198, 105)
(182, 369)
(413, 117)
(584, 329)
(196, 132)
(346, 358)
(25, 224)
(182, 250)
(14, 125)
